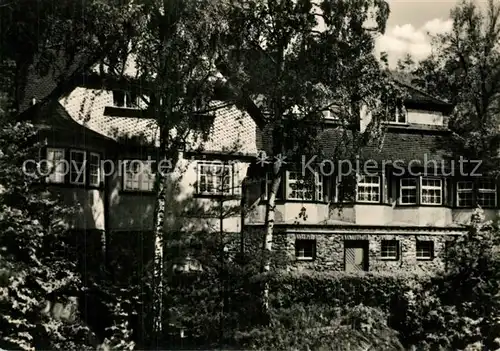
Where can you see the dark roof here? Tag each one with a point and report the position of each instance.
(42, 81)
(417, 95)
(393, 145)
(53, 116)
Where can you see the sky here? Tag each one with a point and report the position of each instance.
(409, 23)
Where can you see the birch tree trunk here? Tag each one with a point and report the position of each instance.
(159, 220)
(276, 181)
(268, 238)
(163, 178)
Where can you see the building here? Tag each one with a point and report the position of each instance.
(412, 198)
(397, 218)
(103, 148)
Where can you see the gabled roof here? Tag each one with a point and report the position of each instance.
(54, 117)
(417, 95)
(40, 86)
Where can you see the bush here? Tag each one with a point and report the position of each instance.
(316, 310)
(322, 327)
(383, 291)
(460, 307)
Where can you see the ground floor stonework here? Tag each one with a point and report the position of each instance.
(363, 249)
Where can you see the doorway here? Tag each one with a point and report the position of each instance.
(355, 255)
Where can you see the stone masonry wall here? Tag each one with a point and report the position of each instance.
(330, 251)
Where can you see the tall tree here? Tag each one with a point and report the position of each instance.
(465, 69)
(57, 42)
(298, 59)
(45, 48)
(36, 256)
(174, 52)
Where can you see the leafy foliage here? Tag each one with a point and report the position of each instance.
(59, 41)
(295, 61)
(461, 306)
(379, 290)
(464, 69)
(321, 327)
(35, 249)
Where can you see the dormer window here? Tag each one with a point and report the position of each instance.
(125, 99)
(331, 113)
(397, 116)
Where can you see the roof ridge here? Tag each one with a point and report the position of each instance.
(398, 77)
(421, 91)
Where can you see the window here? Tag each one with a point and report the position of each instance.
(331, 114)
(77, 167)
(397, 116)
(94, 169)
(125, 99)
(487, 193)
(305, 249)
(345, 188)
(389, 249)
(84, 167)
(368, 189)
(138, 176)
(215, 178)
(319, 187)
(408, 191)
(465, 194)
(482, 193)
(432, 189)
(425, 250)
(308, 187)
(56, 165)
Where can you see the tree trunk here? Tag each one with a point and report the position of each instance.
(159, 241)
(159, 220)
(268, 239)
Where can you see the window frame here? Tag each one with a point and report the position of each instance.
(84, 164)
(317, 186)
(359, 184)
(465, 191)
(340, 192)
(330, 112)
(440, 188)
(302, 250)
(401, 187)
(99, 170)
(424, 258)
(50, 178)
(127, 97)
(140, 181)
(386, 257)
(397, 116)
(487, 191)
(216, 179)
